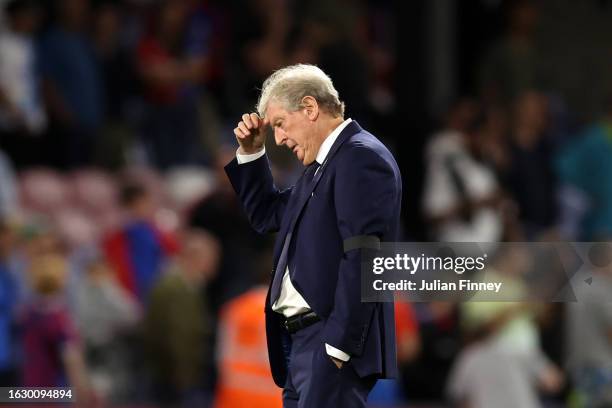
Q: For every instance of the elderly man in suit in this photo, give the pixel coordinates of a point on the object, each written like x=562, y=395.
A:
x=326, y=347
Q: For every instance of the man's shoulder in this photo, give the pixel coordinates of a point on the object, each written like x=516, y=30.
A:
x=364, y=146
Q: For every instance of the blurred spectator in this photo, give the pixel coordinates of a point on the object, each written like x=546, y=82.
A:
x=221, y=214
x=244, y=371
x=8, y=301
x=72, y=85
x=589, y=337
x=424, y=378
x=512, y=64
x=22, y=115
x=487, y=375
x=52, y=351
x=206, y=39
x=121, y=84
x=115, y=64
x=530, y=175
x=331, y=31
x=106, y=316
x=172, y=62
x=9, y=197
x=512, y=324
x=407, y=332
x=178, y=329
x=493, y=137
x=461, y=194
x=504, y=365
x=259, y=32
x=36, y=239
x=585, y=164
x=138, y=250
x=378, y=41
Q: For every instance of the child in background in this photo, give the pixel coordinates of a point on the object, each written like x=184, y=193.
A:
x=138, y=251
x=107, y=317
x=52, y=353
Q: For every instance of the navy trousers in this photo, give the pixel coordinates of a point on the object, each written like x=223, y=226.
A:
x=314, y=380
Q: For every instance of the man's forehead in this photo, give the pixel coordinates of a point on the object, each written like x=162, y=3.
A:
x=274, y=112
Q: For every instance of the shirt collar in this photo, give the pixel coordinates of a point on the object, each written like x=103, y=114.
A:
x=329, y=141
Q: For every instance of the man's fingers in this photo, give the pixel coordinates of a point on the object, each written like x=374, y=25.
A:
x=250, y=127
x=246, y=119
x=265, y=122
x=337, y=362
x=244, y=129
x=239, y=133
x=255, y=119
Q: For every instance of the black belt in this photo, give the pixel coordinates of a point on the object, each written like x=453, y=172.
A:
x=301, y=321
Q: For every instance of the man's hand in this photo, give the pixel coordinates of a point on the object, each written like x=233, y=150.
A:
x=337, y=362
x=251, y=133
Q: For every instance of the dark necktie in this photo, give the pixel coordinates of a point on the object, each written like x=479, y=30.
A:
x=300, y=189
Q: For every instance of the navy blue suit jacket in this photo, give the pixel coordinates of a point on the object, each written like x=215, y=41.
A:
x=357, y=193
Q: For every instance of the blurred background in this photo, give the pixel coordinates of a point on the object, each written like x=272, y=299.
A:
x=128, y=270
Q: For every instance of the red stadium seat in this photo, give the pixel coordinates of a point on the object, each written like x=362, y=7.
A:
x=76, y=227
x=44, y=191
x=95, y=190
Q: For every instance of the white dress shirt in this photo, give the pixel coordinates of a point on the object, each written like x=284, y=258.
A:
x=441, y=195
x=19, y=82
x=290, y=302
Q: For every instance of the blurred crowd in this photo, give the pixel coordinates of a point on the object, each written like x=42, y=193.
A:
x=512, y=163
x=129, y=272
x=111, y=82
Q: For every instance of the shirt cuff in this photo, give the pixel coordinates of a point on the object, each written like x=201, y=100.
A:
x=334, y=352
x=245, y=158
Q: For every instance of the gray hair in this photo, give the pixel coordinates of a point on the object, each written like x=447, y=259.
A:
x=291, y=84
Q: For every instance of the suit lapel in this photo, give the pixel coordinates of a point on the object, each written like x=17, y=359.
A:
x=286, y=222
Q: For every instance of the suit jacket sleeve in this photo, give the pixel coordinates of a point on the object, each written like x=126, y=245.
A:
x=366, y=197
x=263, y=203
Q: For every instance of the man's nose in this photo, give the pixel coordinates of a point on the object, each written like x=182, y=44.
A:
x=279, y=136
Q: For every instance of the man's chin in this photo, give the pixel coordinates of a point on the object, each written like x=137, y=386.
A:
x=305, y=161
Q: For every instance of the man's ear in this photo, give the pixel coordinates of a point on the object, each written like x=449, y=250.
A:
x=310, y=107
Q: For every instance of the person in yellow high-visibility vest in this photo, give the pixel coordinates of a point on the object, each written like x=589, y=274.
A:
x=245, y=379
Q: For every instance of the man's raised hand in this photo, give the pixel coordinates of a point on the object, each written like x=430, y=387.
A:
x=251, y=133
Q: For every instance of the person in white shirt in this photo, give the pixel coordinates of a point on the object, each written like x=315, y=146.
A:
x=22, y=114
